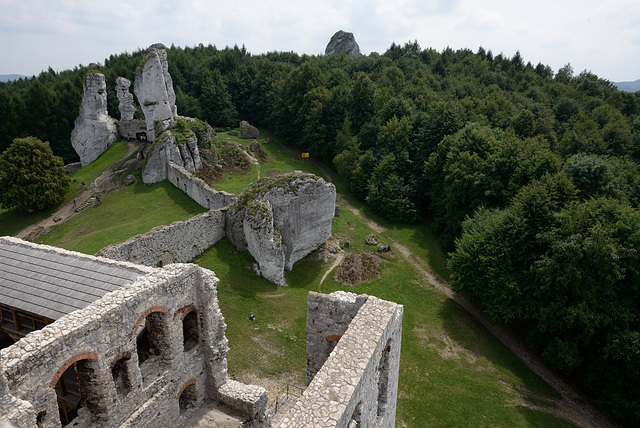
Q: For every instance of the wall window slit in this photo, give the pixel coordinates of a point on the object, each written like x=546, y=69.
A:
x=190, y=330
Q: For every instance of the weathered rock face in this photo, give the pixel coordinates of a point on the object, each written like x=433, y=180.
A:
x=167, y=149
x=125, y=99
x=130, y=128
x=94, y=131
x=281, y=219
x=154, y=89
x=342, y=42
x=248, y=131
x=264, y=241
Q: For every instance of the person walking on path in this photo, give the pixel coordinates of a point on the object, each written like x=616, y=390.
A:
x=74, y=203
x=93, y=183
x=98, y=199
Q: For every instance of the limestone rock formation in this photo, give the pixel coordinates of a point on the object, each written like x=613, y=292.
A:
x=248, y=131
x=281, y=219
x=264, y=241
x=125, y=99
x=154, y=89
x=175, y=139
x=342, y=42
x=175, y=143
x=94, y=131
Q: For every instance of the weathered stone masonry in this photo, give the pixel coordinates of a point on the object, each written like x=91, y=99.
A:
x=357, y=385
x=148, y=353
x=178, y=242
x=198, y=190
x=280, y=220
x=102, y=342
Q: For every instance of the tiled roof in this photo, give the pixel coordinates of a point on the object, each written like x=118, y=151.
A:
x=50, y=283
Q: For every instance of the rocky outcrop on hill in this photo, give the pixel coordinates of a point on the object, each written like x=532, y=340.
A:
x=154, y=89
x=94, y=131
x=125, y=99
x=342, y=42
x=281, y=219
x=248, y=131
x=174, y=138
x=176, y=143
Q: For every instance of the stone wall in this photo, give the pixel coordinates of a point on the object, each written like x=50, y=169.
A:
x=103, y=336
x=178, y=242
x=328, y=317
x=129, y=128
x=198, y=190
x=358, y=384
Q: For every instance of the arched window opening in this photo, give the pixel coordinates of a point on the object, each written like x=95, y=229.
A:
x=69, y=397
x=188, y=399
x=190, y=331
x=120, y=374
x=152, y=340
x=142, y=345
x=78, y=388
x=383, y=380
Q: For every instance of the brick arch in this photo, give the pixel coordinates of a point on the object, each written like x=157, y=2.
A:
x=146, y=313
x=191, y=381
x=187, y=397
x=183, y=312
x=69, y=362
x=121, y=355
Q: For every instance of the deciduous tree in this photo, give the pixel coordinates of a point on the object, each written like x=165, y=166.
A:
x=31, y=177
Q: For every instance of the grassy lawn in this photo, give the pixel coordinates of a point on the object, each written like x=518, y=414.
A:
x=452, y=373
x=127, y=212
x=279, y=161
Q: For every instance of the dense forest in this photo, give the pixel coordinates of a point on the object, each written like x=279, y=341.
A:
x=529, y=177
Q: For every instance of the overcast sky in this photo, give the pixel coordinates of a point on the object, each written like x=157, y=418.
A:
x=601, y=36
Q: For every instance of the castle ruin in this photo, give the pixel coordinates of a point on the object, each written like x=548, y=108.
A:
x=154, y=349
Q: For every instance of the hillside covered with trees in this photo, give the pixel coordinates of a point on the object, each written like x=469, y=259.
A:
x=529, y=177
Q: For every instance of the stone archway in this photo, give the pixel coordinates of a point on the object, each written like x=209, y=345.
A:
x=188, y=396
x=78, y=385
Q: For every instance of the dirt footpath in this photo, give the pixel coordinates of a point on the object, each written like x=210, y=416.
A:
x=103, y=185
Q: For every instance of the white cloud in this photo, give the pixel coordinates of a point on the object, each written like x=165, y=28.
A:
x=603, y=37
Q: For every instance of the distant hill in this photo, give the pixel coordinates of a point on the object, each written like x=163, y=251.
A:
x=628, y=86
x=7, y=77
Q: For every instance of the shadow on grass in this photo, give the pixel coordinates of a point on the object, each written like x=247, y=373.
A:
x=233, y=269
x=536, y=418
x=14, y=220
x=306, y=274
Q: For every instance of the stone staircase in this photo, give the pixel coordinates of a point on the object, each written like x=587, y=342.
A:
x=86, y=204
